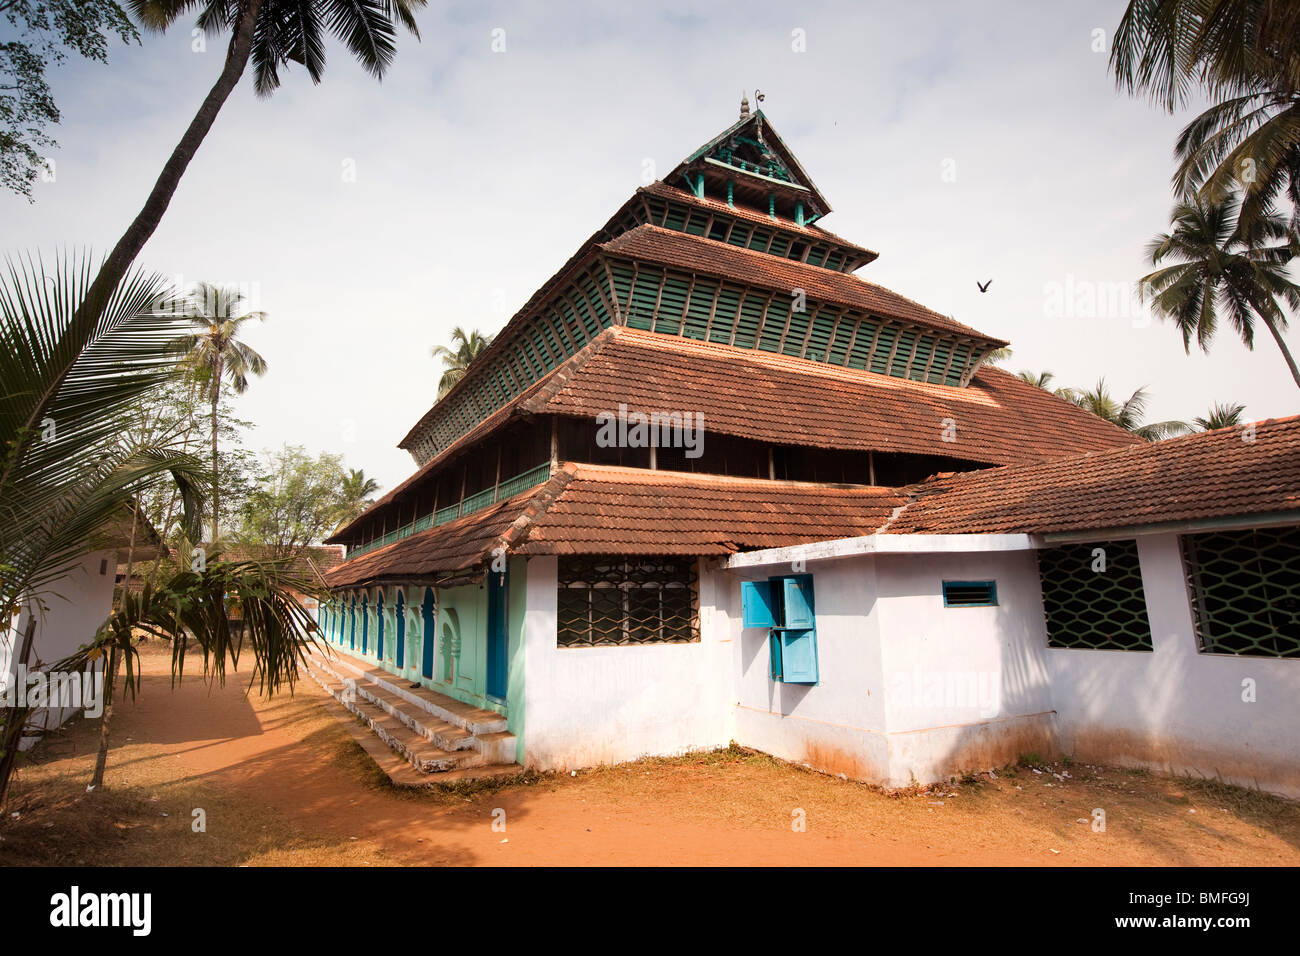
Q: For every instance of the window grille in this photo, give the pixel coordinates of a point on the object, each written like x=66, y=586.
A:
x=618, y=600
x=1245, y=590
x=1093, y=596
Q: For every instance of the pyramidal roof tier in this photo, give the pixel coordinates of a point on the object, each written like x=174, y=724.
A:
x=725, y=251
x=749, y=162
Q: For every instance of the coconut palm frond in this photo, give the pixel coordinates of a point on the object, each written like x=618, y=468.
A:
x=68, y=375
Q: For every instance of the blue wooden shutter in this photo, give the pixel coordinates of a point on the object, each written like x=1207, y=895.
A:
x=756, y=604
x=798, y=601
x=798, y=656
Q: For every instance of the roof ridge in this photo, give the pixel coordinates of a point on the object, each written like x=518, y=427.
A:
x=538, y=504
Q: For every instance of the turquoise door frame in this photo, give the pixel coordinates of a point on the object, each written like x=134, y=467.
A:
x=352, y=623
x=379, y=626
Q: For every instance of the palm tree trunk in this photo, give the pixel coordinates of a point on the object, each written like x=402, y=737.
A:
x=144, y=224
x=15, y=719
x=110, y=666
x=105, y=720
x=1281, y=344
x=216, y=490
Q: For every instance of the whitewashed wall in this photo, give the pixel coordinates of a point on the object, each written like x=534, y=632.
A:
x=910, y=691
x=965, y=687
x=587, y=706
x=1176, y=708
x=66, y=618
x=837, y=726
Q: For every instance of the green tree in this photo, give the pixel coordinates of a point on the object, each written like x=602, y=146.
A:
x=297, y=501
x=42, y=34
x=181, y=410
x=1223, y=266
x=273, y=34
x=1220, y=415
x=1245, y=56
x=456, y=360
x=1128, y=413
x=217, y=354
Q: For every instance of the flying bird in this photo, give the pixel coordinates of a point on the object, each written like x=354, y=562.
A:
x=984, y=286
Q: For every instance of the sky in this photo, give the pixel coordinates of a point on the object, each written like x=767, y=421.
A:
x=963, y=142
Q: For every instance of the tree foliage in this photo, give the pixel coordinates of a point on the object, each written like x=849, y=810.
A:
x=43, y=33
x=456, y=359
x=297, y=500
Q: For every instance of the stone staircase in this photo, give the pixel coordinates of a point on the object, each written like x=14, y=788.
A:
x=434, y=733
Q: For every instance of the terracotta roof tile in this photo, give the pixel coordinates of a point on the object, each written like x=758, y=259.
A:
x=1207, y=475
x=597, y=509
x=999, y=418
x=605, y=509
x=683, y=251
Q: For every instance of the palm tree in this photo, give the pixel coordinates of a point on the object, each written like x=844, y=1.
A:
x=1221, y=415
x=357, y=495
x=457, y=360
x=1244, y=55
x=272, y=33
x=68, y=378
x=1127, y=414
x=1223, y=265
x=216, y=353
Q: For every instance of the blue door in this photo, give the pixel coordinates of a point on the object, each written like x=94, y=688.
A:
x=496, y=635
x=399, y=652
x=426, y=641
x=365, y=622
x=379, y=626
x=352, y=623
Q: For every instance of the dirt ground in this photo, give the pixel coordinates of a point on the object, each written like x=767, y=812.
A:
x=280, y=782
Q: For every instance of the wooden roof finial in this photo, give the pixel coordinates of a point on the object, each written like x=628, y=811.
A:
x=744, y=105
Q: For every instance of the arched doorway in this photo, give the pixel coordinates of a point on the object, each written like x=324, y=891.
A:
x=427, y=632
x=365, y=622
x=399, y=633
x=352, y=622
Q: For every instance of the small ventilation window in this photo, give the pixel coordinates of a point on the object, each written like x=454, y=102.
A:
x=970, y=593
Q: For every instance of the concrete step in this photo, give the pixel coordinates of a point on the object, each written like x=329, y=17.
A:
x=428, y=743
x=473, y=720
x=421, y=753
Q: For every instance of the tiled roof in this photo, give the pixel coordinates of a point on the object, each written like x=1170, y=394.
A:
x=692, y=253
x=1203, y=476
x=609, y=510
x=814, y=233
x=789, y=401
x=999, y=418
x=599, y=509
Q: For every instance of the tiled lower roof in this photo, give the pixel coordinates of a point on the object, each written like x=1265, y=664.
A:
x=600, y=509
x=1208, y=475
x=998, y=418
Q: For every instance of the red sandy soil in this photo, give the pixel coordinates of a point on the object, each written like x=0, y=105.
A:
x=282, y=782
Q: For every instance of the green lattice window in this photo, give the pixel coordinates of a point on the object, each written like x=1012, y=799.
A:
x=1093, y=596
x=617, y=600
x=1245, y=588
